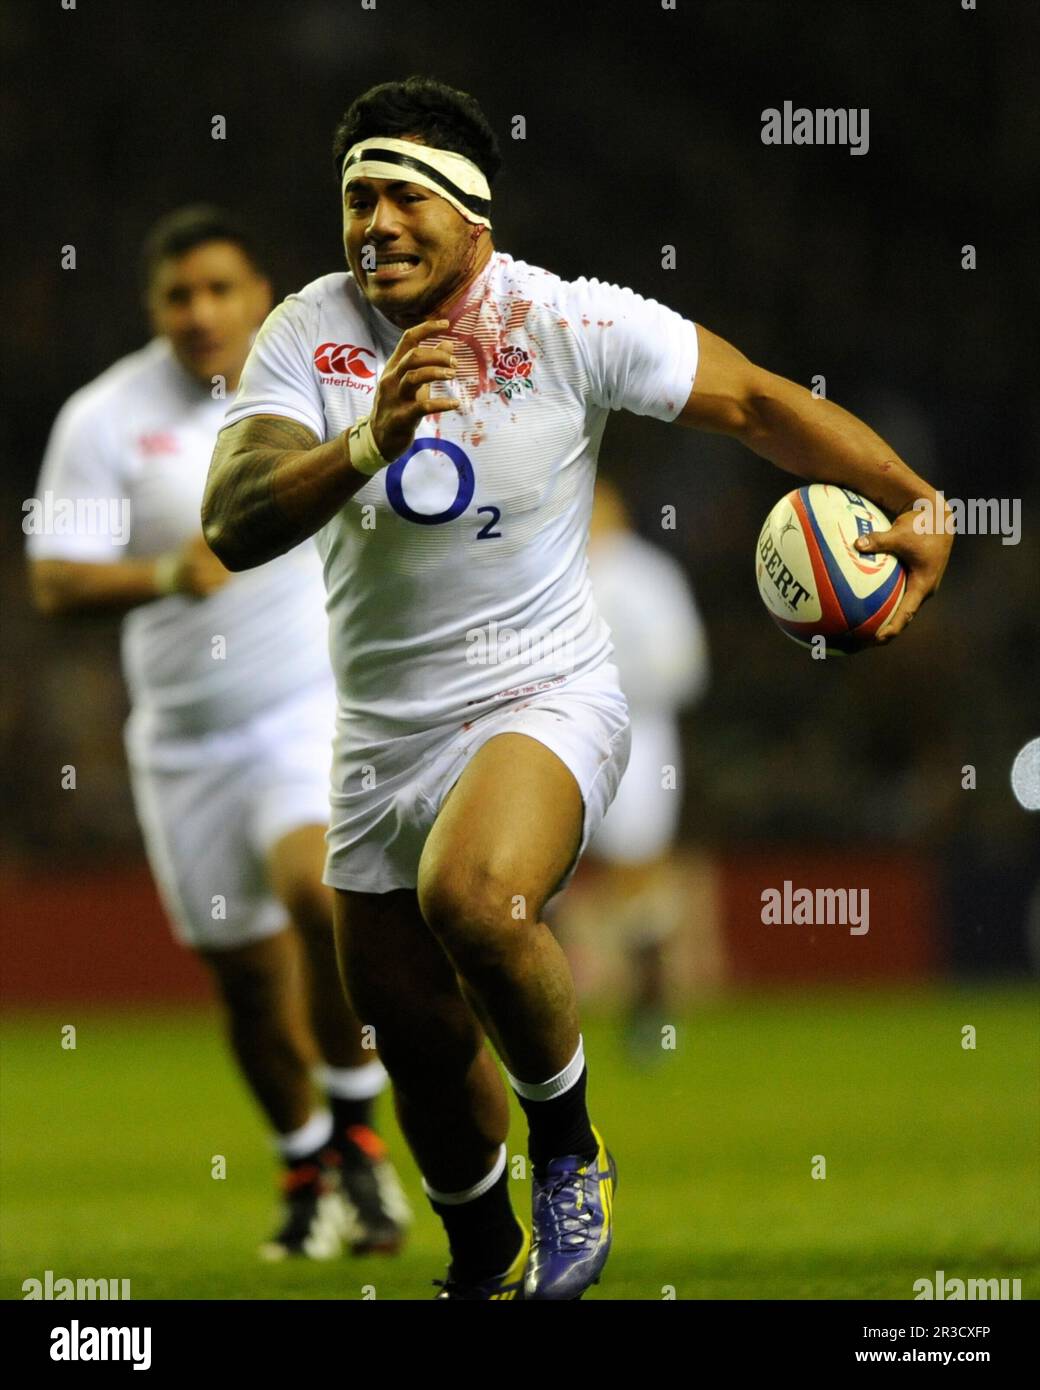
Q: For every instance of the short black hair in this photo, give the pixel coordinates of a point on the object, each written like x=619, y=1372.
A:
x=442, y=115
x=182, y=230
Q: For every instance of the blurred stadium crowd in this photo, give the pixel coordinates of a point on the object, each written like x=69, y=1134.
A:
x=809, y=260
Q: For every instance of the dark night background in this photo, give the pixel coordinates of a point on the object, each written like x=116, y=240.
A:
x=642, y=129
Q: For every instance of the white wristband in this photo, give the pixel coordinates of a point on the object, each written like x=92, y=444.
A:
x=364, y=455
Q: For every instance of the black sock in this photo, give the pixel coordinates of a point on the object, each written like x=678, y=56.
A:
x=350, y=1112
x=560, y=1126
x=484, y=1236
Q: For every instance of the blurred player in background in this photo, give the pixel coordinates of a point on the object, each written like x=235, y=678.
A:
x=229, y=736
x=662, y=656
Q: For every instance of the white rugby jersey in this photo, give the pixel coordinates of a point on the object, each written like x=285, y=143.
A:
x=144, y=430
x=457, y=577
x=660, y=646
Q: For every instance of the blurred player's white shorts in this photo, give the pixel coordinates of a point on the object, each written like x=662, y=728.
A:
x=642, y=820
x=377, y=832
x=211, y=808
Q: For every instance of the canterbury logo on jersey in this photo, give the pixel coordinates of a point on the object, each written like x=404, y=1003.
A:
x=345, y=361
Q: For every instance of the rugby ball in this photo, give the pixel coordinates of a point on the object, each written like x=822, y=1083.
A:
x=812, y=580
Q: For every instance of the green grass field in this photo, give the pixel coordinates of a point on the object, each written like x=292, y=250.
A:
x=931, y=1155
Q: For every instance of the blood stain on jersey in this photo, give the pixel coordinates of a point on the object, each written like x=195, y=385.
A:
x=480, y=333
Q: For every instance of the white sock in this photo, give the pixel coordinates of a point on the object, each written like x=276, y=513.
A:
x=556, y=1085
x=470, y=1194
x=315, y=1134
x=353, y=1083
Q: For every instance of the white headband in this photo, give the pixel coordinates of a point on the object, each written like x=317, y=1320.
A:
x=451, y=175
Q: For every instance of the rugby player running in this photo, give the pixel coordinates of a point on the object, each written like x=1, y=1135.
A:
x=433, y=417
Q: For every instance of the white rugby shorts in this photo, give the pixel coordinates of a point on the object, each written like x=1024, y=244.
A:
x=211, y=808
x=387, y=794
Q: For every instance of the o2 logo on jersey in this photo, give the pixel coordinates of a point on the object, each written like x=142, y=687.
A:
x=463, y=494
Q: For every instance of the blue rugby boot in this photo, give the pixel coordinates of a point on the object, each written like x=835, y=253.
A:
x=509, y=1284
x=573, y=1219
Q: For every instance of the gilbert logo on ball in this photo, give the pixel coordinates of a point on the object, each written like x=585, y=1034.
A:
x=813, y=581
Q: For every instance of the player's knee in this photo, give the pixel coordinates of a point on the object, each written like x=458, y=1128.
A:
x=470, y=909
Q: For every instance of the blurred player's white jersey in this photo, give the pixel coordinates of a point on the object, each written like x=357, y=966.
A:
x=661, y=654
x=144, y=431
x=457, y=577
x=660, y=647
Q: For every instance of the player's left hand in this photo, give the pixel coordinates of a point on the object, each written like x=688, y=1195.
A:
x=925, y=554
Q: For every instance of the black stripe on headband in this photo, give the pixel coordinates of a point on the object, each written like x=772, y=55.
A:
x=480, y=206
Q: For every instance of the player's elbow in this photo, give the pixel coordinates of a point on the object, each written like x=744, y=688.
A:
x=221, y=540
x=218, y=527
x=768, y=405
x=222, y=526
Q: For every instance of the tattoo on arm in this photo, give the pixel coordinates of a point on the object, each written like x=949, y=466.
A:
x=243, y=520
